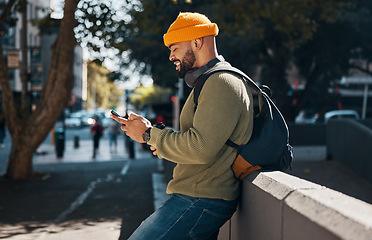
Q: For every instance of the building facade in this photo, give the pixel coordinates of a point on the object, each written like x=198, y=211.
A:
x=39, y=51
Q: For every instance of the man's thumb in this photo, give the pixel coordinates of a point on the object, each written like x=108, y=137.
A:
x=133, y=116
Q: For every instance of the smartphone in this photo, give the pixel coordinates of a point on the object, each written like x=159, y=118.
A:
x=115, y=113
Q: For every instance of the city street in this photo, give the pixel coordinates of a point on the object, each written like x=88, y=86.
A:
x=81, y=198
x=108, y=197
x=70, y=65
x=46, y=152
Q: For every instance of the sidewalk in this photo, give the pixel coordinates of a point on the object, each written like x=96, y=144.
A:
x=81, y=198
x=84, y=152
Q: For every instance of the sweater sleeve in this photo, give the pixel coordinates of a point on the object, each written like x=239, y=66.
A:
x=204, y=132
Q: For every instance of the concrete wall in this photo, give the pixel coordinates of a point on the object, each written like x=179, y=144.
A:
x=350, y=143
x=313, y=134
x=275, y=205
x=366, y=122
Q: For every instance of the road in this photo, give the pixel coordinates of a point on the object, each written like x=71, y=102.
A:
x=80, y=197
x=84, y=138
x=83, y=197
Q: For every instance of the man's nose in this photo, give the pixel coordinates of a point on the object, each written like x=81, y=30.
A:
x=171, y=57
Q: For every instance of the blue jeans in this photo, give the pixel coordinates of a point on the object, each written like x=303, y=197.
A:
x=185, y=217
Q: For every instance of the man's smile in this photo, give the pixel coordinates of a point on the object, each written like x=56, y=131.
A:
x=177, y=64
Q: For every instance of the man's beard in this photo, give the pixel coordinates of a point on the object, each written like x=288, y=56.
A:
x=186, y=63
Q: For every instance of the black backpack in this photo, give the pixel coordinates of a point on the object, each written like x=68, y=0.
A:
x=268, y=149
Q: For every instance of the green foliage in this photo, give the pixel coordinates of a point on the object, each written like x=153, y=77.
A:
x=138, y=32
x=143, y=95
x=47, y=25
x=261, y=37
x=334, y=51
x=294, y=20
x=102, y=92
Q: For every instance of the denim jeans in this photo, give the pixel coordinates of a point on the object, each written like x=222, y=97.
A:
x=185, y=217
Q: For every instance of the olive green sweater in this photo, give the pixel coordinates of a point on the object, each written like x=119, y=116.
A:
x=225, y=111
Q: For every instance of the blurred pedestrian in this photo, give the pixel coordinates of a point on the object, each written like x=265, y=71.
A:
x=114, y=131
x=204, y=191
x=97, y=131
x=161, y=119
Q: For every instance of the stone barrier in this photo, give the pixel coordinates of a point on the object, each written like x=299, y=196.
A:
x=350, y=142
x=276, y=205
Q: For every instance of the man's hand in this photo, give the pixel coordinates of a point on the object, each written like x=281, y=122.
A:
x=153, y=149
x=134, y=126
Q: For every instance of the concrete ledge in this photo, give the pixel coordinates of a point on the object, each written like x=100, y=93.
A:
x=325, y=214
x=276, y=205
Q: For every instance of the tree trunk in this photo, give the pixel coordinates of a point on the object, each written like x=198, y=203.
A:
x=28, y=132
x=20, y=159
x=274, y=74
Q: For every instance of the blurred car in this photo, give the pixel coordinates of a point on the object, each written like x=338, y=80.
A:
x=306, y=117
x=341, y=114
x=106, y=122
x=88, y=118
x=73, y=122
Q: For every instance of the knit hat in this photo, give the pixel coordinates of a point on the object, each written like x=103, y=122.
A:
x=189, y=26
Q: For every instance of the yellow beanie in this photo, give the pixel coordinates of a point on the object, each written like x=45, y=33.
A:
x=189, y=26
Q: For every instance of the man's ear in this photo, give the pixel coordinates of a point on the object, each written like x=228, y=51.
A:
x=197, y=43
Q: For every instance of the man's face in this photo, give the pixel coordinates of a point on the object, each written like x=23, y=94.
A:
x=183, y=57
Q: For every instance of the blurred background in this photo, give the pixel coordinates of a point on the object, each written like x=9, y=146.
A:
x=64, y=65
x=315, y=56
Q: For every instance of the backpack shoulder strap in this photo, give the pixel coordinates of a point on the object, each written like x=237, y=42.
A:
x=227, y=68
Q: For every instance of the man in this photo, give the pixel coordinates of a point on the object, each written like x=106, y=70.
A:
x=203, y=190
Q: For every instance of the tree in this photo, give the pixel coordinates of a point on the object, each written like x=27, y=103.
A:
x=102, y=92
x=253, y=34
x=333, y=52
x=273, y=30
x=29, y=129
x=148, y=95
x=138, y=36
x=257, y=36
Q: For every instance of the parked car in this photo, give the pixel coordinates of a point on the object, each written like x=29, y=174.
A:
x=73, y=122
x=337, y=114
x=306, y=117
